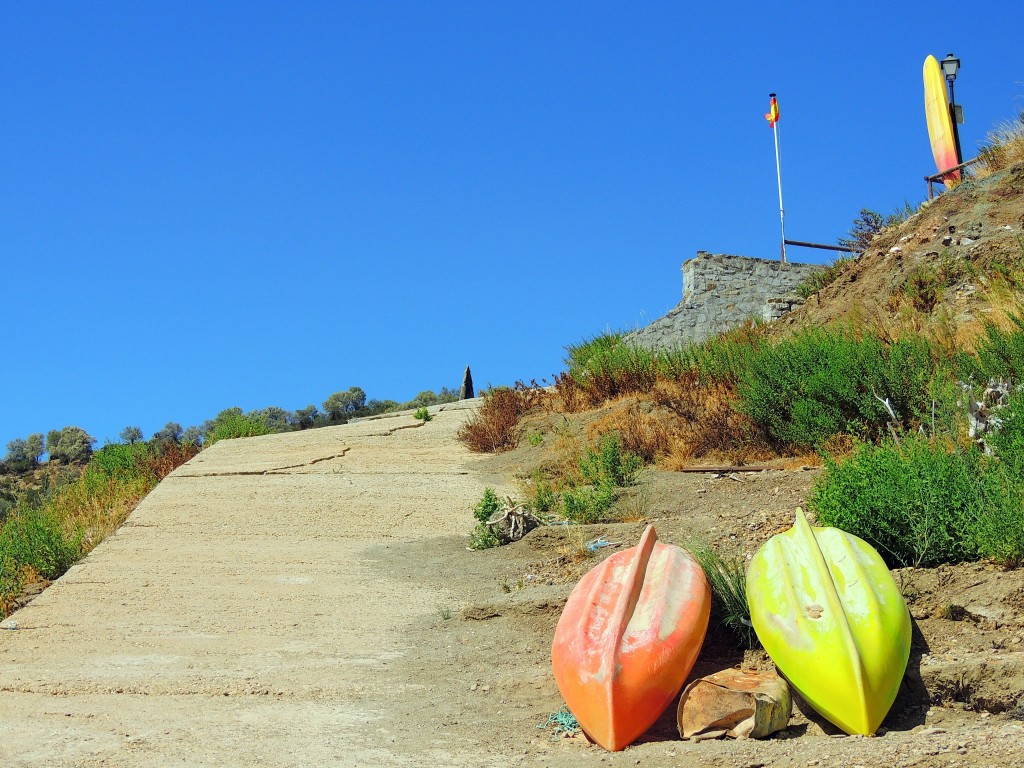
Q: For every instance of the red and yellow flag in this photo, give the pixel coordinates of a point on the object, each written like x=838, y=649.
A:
x=773, y=112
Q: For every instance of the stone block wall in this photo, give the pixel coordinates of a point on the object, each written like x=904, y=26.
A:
x=720, y=291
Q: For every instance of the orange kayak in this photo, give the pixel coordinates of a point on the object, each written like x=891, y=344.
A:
x=628, y=637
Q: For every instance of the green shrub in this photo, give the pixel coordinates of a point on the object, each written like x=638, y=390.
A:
x=920, y=503
x=1000, y=532
x=231, y=424
x=1008, y=440
x=36, y=538
x=487, y=506
x=585, y=504
x=422, y=414
x=544, y=498
x=1001, y=352
x=609, y=465
x=483, y=537
x=821, y=383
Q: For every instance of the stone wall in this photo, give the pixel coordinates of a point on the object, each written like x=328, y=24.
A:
x=720, y=291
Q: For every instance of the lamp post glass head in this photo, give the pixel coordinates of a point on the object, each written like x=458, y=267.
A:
x=950, y=65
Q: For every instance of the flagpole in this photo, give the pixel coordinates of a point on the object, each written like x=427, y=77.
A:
x=778, y=173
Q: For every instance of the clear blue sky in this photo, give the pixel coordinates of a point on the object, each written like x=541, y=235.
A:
x=210, y=204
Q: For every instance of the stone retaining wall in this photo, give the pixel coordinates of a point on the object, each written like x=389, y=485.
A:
x=720, y=291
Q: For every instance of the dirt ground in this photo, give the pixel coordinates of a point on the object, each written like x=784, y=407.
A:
x=308, y=598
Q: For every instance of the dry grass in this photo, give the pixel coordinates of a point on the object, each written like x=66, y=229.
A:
x=682, y=422
x=1005, y=148
x=708, y=425
x=495, y=427
x=574, y=550
x=635, y=507
x=648, y=434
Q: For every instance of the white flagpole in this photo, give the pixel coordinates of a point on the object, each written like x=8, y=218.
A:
x=778, y=173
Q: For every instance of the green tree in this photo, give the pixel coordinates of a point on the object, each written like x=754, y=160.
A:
x=35, y=448
x=23, y=455
x=276, y=419
x=424, y=398
x=17, y=455
x=171, y=433
x=194, y=435
x=305, y=417
x=382, y=406
x=70, y=444
x=868, y=224
x=340, y=405
x=131, y=435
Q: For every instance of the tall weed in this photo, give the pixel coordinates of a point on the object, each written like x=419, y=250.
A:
x=1005, y=148
x=45, y=534
x=37, y=539
x=727, y=577
x=816, y=281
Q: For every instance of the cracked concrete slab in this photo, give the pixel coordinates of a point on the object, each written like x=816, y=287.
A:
x=239, y=618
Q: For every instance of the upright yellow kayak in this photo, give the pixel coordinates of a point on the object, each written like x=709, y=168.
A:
x=827, y=611
x=940, y=123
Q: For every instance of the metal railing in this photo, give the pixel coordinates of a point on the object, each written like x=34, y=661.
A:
x=937, y=177
x=802, y=244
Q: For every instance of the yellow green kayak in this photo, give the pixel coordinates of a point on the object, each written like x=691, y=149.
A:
x=830, y=616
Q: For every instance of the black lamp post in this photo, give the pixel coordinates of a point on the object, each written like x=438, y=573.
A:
x=950, y=65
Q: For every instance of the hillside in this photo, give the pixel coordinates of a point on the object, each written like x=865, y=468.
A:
x=955, y=263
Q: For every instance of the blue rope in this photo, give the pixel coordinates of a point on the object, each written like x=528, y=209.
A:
x=565, y=723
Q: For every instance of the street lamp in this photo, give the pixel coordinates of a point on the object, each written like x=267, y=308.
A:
x=950, y=66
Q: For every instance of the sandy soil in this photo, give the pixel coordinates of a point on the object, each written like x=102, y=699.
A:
x=307, y=598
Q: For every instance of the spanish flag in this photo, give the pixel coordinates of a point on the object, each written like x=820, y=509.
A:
x=773, y=111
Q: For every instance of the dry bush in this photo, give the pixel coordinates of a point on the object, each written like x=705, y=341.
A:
x=707, y=425
x=571, y=396
x=648, y=435
x=171, y=456
x=1005, y=148
x=684, y=420
x=495, y=427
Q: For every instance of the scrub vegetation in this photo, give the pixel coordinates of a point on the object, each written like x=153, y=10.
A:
x=73, y=508
x=887, y=416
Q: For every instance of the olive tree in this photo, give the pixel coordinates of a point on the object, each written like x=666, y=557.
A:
x=70, y=444
x=171, y=433
x=341, y=404
x=305, y=417
x=131, y=435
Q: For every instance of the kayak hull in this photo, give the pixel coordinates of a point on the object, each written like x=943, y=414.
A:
x=628, y=637
x=830, y=616
x=940, y=123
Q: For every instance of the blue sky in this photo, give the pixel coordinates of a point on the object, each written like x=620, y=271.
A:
x=216, y=204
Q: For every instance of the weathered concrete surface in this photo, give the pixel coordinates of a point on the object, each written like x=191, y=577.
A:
x=239, y=618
